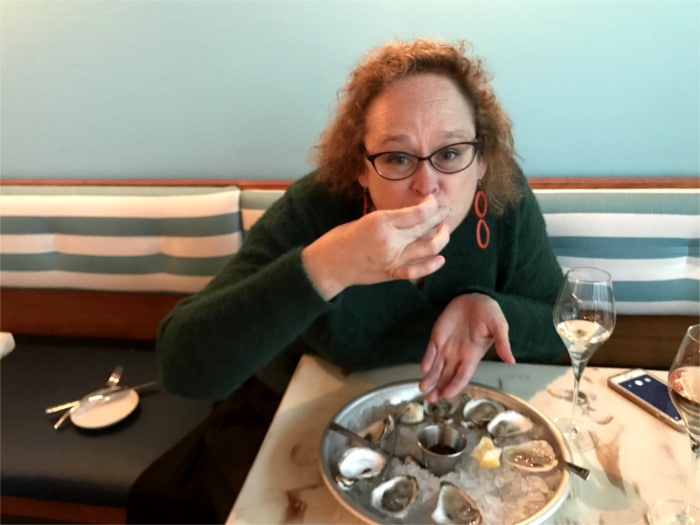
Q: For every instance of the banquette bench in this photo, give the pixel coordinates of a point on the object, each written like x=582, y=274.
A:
x=88, y=269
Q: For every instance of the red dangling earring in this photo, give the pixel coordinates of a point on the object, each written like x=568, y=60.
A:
x=481, y=206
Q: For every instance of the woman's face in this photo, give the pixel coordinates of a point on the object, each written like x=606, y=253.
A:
x=421, y=114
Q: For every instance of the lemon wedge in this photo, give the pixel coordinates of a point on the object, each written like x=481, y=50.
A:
x=487, y=454
x=491, y=458
x=482, y=447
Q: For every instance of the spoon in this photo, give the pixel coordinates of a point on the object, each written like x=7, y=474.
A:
x=354, y=436
x=581, y=472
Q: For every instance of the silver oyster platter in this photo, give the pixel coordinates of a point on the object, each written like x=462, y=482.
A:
x=503, y=494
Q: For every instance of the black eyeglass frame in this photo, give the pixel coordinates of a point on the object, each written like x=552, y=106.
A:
x=475, y=143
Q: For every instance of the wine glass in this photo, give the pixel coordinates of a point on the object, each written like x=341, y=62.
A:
x=684, y=387
x=584, y=317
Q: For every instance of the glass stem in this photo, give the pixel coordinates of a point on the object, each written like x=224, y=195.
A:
x=574, y=402
x=578, y=367
x=694, y=461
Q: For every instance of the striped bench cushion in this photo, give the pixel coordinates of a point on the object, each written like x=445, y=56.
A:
x=165, y=239
x=649, y=241
x=253, y=205
x=176, y=238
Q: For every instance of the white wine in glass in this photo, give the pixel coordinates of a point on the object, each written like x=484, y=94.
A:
x=584, y=317
x=684, y=387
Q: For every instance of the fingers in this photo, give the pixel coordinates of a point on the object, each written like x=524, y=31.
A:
x=418, y=269
x=428, y=245
x=420, y=219
x=421, y=258
x=451, y=386
x=445, y=378
x=502, y=342
x=431, y=368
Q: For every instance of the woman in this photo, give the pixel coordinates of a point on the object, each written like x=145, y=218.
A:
x=417, y=239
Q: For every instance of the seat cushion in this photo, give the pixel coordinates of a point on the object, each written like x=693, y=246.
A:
x=94, y=467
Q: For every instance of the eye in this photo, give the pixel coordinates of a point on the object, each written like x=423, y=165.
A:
x=448, y=154
x=397, y=158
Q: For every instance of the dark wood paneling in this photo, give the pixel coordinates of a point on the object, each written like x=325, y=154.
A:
x=84, y=313
x=58, y=511
x=646, y=341
x=638, y=340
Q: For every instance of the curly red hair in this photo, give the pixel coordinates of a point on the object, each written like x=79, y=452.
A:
x=340, y=150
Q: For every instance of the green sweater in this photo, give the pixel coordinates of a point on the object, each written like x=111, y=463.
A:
x=261, y=312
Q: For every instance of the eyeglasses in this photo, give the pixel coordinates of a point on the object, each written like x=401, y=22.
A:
x=399, y=165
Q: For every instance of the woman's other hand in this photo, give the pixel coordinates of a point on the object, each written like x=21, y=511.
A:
x=381, y=246
x=460, y=338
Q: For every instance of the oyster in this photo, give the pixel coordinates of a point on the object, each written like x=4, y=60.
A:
x=478, y=411
x=378, y=431
x=509, y=423
x=530, y=456
x=411, y=413
x=455, y=506
x=442, y=410
x=359, y=463
x=396, y=496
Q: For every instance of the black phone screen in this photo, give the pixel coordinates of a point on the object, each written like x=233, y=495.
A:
x=653, y=392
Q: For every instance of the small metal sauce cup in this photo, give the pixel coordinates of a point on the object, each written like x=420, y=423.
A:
x=441, y=446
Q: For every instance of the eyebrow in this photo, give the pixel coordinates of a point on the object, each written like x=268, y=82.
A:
x=402, y=138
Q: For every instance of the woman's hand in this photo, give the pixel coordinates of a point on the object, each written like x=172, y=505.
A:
x=460, y=338
x=381, y=246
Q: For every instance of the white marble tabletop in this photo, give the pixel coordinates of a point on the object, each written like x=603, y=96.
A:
x=638, y=459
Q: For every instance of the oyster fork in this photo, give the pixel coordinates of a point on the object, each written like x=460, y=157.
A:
x=112, y=382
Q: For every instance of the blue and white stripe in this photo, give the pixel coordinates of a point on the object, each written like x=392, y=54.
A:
x=116, y=238
x=648, y=240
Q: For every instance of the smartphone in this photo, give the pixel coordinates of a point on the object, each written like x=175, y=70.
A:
x=650, y=393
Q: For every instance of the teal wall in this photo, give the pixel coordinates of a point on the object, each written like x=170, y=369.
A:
x=243, y=88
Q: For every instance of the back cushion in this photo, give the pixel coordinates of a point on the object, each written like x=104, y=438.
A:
x=166, y=239
x=649, y=241
x=253, y=205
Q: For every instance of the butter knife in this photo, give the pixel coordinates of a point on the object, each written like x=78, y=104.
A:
x=96, y=395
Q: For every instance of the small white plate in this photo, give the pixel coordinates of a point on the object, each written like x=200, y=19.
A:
x=105, y=411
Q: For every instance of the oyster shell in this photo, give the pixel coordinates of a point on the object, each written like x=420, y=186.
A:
x=530, y=456
x=455, y=506
x=359, y=463
x=478, y=411
x=509, y=423
x=378, y=431
x=396, y=496
x=442, y=410
x=411, y=413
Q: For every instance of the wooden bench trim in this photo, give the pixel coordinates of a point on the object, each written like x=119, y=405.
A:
x=60, y=511
x=614, y=183
x=277, y=184
x=257, y=184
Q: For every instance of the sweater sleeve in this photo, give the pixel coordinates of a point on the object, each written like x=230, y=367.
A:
x=262, y=300
x=529, y=276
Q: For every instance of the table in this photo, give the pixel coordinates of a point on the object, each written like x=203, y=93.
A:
x=638, y=460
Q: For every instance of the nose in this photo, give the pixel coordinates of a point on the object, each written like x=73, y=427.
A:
x=425, y=179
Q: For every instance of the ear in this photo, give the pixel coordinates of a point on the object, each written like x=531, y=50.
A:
x=480, y=167
x=363, y=179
